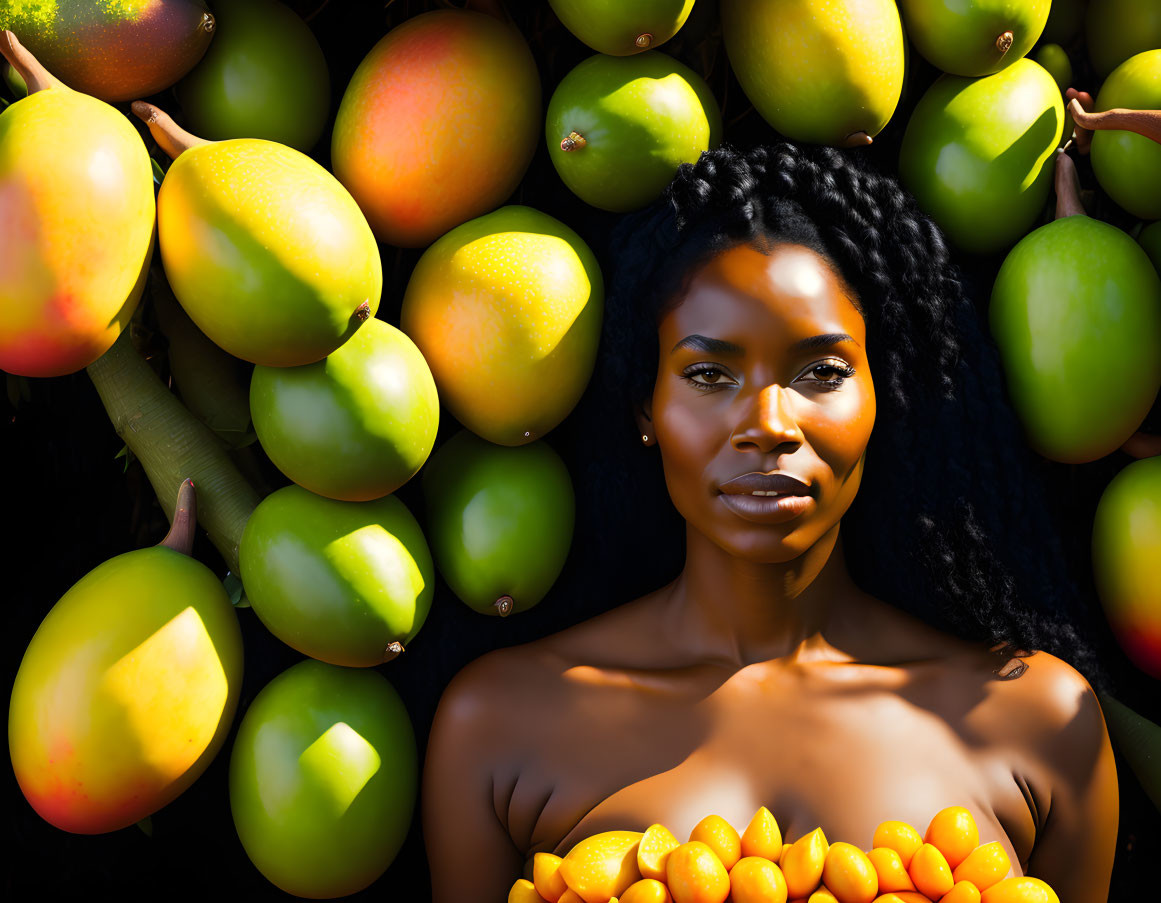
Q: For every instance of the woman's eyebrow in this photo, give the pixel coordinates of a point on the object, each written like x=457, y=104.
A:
x=709, y=345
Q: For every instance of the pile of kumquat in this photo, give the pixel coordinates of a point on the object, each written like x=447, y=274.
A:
x=948, y=864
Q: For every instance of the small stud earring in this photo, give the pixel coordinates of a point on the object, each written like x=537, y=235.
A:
x=644, y=438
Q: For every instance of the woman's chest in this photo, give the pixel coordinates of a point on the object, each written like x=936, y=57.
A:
x=844, y=760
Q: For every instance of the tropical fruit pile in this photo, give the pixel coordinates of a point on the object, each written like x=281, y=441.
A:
x=946, y=864
x=335, y=272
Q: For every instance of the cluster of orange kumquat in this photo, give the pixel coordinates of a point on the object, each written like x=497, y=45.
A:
x=947, y=865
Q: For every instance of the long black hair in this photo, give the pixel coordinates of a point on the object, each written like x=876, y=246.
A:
x=951, y=522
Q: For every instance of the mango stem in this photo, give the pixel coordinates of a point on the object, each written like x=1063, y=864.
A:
x=1067, y=185
x=170, y=136
x=34, y=74
x=173, y=445
x=1004, y=42
x=184, y=523
x=504, y=606
x=857, y=139
x=573, y=141
x=1143, y=122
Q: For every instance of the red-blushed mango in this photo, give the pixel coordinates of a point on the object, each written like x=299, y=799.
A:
x=126, y=692
x=1126, y=546
x=76, y=224
x=438, y=124
x=117, y=49
x=507, y=312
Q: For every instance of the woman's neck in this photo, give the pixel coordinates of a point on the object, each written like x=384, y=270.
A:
x=725, y=609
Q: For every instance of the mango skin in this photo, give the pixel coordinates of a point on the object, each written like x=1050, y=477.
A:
x=977, y=153
x=507, y=311
x=337, y=581
x=354, y=426
x=438, y=124
x=266, y=251
x=126, y=692
x=613, y=26
x=1128, y=165
x=116, y=49
x=1150, y=240
x=76, y=230
x=1126, y=546
x=324, y=777
x=817, y=70
x=1074, y=303
x=641, y=118
x=960, y=38
x=1115, y=30
x=500, y=519
x=264, y=76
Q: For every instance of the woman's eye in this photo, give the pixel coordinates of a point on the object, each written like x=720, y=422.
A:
x=844, y=372
x=710, y=377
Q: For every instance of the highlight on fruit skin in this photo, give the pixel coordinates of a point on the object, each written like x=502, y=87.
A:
x=114, y=51
x=507, y=311
x=818, y=72
x=976, y=38
x=618, y=128
x=77, y=219
x=619, y=28
x=128, y=687
x=293, y=268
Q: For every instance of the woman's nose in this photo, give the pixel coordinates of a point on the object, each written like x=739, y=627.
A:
x=770, y=423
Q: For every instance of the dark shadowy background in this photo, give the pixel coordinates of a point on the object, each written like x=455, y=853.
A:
x=68, y=504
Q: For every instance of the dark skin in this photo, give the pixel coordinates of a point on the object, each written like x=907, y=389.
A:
x=762, y=675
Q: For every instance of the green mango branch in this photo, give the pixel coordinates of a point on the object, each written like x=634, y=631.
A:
x=173, y=445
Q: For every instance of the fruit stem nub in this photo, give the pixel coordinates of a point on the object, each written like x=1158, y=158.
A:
x=504, y=606
x=180, y=537
x=35, y=76
x=170, y=136
x=362, y=312
x=208, y=22
x=393, y=650
x=643, y=40
x=1067, y=185
x=574, y=141
x=1004, y=42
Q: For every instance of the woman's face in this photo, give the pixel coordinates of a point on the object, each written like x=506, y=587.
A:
x=746, y=384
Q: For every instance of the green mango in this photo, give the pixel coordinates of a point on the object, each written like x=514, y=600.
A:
x=264, y=76
x=354, y=426
x=1126, y=548
x=501, y=520
x=619, y=28
x=1055, y=61
x=818, y=71
x=1073, y=303
x=977, y=153
x=977, y=37
x=1138, y=740
x=324, y=776
x=348, y=583
x=618, y=127
x=1115, y=30
x=113, y=49
x=1128, y=165
x=1150, y=240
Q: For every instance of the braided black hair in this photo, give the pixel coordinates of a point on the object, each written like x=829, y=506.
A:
x=960, y=535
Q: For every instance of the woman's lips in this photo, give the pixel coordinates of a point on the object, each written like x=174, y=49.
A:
x=766, y=509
